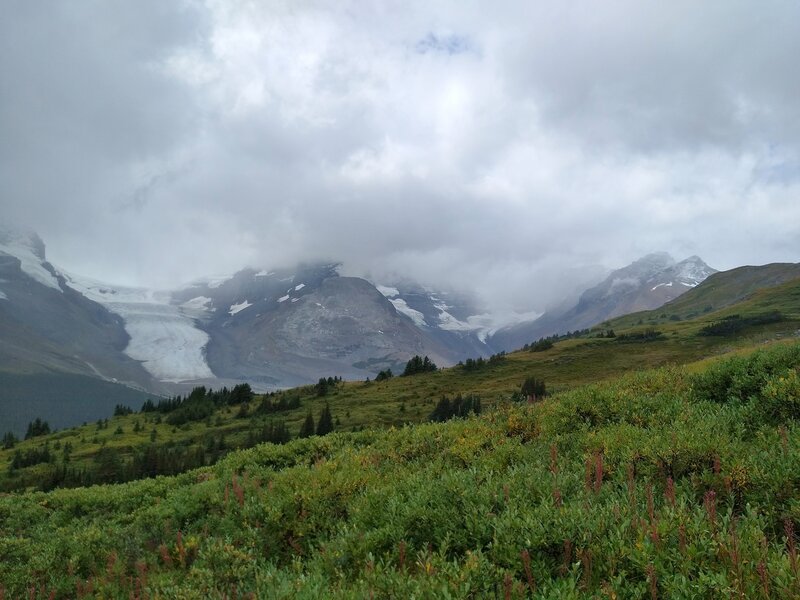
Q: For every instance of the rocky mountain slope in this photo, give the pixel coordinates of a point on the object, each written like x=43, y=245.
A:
x=61, y=354
x=45, y=325
x=290, y=327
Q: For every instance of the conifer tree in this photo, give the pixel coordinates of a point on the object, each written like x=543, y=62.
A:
x=325, y=423
x=9, y=441
x=307, y=428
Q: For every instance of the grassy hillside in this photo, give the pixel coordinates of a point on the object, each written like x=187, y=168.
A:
x=400, y=400
x=668, y=483
x=725, y=289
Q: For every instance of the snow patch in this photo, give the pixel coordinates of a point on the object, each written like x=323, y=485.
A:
x=197, y=307
x=299, y=287
x=283, y=298
x=662, y=285
x=264, y=273
x=29, y=249
x=3, y=296
x=295, y=299
x=414, y=315
x=235, y=308
x=389, y=292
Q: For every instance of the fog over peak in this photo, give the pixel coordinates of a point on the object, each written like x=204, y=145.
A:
x=514, y=151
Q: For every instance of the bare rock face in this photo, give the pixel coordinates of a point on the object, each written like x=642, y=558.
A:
x=329, y=326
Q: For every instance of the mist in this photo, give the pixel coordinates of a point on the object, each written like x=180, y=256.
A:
x=512, y=155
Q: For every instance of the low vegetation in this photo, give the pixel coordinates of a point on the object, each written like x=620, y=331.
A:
x=612, y=480
x=667, y=483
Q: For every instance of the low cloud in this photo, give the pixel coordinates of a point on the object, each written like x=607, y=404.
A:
x=501, y=152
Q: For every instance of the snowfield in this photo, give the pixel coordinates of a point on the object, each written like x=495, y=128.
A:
x=414, y=315
x=389, y=292
x=164, y=337
x=235, y=308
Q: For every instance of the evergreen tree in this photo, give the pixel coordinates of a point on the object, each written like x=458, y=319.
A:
x=9, y=441
x=418, y=364
x=533, y=389
x=307, y=428
x=240, y=393
x=37, y=428
x=325, y=423
x=383, y=375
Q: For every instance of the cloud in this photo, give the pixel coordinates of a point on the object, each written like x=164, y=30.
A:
x=499, y=151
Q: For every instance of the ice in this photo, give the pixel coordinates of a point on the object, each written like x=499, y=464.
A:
x=299, y=287
x=389, y=292
x=414, y=315
x=235, y=308
x=482, y=325
x=283, y=298
x=29, y=249
x=163, y=337
x=264, y=273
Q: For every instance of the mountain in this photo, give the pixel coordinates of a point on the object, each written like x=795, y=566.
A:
x=645, y=284
x=724, y=289
x=292, y=326
x=49, y=332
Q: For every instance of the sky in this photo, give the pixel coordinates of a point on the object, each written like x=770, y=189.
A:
x=512, y=149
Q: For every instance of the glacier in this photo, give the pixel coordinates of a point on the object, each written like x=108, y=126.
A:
x=164, y=338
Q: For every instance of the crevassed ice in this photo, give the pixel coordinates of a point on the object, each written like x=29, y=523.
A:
x=163, y=338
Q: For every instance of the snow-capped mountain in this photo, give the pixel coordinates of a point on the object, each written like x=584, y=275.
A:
x=291, y=326
x=645, y=284
x=61, y=354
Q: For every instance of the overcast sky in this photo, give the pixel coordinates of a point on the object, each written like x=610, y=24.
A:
x=503, y=147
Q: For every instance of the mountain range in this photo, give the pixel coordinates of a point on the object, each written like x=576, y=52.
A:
x=270, y=328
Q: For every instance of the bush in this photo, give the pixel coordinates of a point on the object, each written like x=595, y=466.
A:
x=740, y=378
x=647, y=335
x=459, y=406
x=541, y=345
x=733, y=324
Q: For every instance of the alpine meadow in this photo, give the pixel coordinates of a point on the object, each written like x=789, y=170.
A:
x=399, y=300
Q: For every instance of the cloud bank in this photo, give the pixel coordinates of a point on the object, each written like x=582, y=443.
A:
x=507, y=150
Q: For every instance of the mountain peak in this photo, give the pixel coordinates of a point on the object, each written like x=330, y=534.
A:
x=14, y=240
x=26, y=246
x=660, y=260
